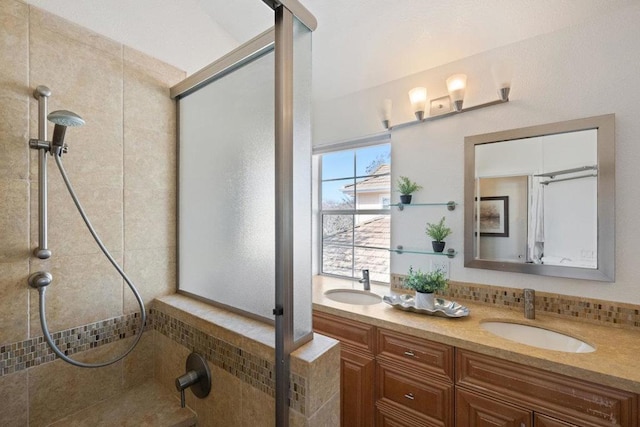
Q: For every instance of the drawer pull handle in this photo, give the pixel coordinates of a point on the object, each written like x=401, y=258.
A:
x=409, y=396
x=409, y=353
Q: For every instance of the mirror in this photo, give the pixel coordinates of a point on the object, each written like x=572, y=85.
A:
x=540, y=199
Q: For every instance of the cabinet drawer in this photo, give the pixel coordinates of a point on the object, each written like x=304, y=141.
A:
x=411, y=390
x=435, y=357
x=477, y=410
x=350, y=332
x=388, y=414
x=544, y=421
x=576, y=401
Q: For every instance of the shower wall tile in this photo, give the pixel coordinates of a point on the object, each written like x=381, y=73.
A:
x=85, y=289
x=84, y=73
x=138, y=365
x=15, y=400
x=58, y=389
x=68, y=234
x=328, y=414
x=149, y=218
x=41, y=19
x=14, y=220
x=169, y=360
x=14, y=90
x=153, y=271
x=223, y=406
x=258, y=408
x=147, y=104
x=323, y=379
x=14, y=302
x=149, y=159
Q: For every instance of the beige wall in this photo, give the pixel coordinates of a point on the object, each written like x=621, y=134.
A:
x=122, y=165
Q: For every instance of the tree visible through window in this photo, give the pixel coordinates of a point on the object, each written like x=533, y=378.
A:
x=355, y=188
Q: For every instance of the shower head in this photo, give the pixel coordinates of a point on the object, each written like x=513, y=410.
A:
x=62, y=119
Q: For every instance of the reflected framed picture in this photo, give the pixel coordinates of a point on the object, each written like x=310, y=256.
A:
x=494, y=216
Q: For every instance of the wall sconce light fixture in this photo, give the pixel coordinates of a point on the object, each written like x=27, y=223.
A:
x=418, y=97
x=456, y=85
x=502, y=78
x=386, y=113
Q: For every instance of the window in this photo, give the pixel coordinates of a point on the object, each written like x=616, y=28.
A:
x=355, y=192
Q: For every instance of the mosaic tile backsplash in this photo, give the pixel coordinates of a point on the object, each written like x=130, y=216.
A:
x=584, y=309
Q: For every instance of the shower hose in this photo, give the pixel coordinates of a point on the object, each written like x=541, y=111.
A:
x=42, y=290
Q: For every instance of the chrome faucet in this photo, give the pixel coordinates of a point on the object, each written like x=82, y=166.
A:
x=529, y=304
x=365, y=279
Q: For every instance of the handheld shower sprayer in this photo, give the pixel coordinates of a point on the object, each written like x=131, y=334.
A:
x=42, y=279
x=62, y=119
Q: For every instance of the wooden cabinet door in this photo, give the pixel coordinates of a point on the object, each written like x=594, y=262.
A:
x=475, y=410
x=357, y=391
x=540, y=420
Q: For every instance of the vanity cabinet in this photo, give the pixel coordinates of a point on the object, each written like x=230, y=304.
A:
x=388, y=378
x=357, y=367
x=487, y=386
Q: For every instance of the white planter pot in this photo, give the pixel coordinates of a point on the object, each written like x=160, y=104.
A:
x=424, y=301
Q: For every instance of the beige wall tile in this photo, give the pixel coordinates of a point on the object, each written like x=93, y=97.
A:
x=164, y=74
x=84, y=73
x=137, y=367
x=153, y=272
x=58, y=389
x=323, y=378
x=42, y=19
x=68, y=234
x=149, y=159
x=14, y=93
x=147, y=103
x=14, y=220
x=14, y=302
x=258, y=408
x=85, y=289
x=15, y=400
x=169, y=361
x=328, y=414
x=149, y=219
x=223, y=406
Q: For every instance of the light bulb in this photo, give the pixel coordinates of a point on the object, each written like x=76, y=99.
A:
x=418, y=97
x=456, y=86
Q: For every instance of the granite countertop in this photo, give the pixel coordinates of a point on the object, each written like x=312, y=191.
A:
x=616, y=361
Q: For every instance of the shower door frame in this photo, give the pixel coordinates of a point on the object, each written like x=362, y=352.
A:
x=279, y=39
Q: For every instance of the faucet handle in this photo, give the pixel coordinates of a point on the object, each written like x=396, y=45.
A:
x=529, y=303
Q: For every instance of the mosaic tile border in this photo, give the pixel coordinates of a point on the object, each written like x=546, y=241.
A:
x=251, y=369
x=18, y=356
x=257, y=372
x=608, y=313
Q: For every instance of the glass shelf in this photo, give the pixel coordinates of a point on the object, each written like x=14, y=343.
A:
x=450, y=205
x=449, y=253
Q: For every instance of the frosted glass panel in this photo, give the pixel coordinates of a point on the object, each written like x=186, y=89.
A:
x=302, y=180
x=226, y=190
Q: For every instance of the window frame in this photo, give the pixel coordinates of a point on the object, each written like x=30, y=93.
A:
x=354, y=212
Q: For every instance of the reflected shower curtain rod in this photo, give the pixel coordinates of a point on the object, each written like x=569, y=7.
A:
x=566, y=171
x=567, y=179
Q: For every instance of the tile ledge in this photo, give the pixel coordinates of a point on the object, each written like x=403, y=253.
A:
x=192, y=311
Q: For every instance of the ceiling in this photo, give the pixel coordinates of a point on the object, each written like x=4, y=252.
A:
x=358, y=43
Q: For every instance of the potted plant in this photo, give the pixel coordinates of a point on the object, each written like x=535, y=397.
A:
x=438, y=232
x=425, y=284
x=406, y=187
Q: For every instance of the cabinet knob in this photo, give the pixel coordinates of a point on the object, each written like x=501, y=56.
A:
x=409, y=353
x=411, y=397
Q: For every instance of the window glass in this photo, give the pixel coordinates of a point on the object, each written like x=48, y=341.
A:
x=356, y=190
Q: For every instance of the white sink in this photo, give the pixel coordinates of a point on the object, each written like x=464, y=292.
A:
x=353, y=296
x=537, y=337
